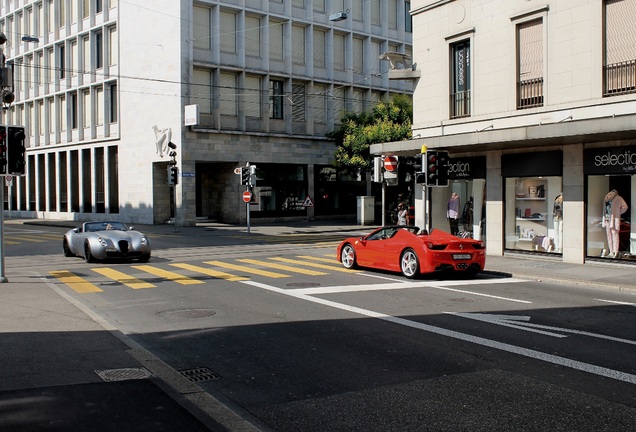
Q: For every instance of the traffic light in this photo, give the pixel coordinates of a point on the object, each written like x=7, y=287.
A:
x=252, y=175
x=3, y=150
x=245, y=175
x=442, y=168
x=420, y=168
x=15, y=150
x=431, y=169
x=173, y=175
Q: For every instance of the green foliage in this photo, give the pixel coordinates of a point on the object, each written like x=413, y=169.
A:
x=356, y=132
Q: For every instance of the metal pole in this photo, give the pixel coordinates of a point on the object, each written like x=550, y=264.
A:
x=247, y=210
x=3, y=279
x=383, y=203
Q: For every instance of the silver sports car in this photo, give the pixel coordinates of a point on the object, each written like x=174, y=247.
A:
x=101, y=240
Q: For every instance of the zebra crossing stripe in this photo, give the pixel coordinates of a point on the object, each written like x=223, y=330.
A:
x=316, y=265
x=75, y=282
x=210, y=272
x=247, y=269
x=123, y=278
x=176, y=277
x=283, y=267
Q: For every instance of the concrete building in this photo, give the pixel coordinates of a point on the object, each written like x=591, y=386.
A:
x=536, y=103
x=106, y=85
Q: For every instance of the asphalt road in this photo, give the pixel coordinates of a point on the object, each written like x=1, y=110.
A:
x=281, y=334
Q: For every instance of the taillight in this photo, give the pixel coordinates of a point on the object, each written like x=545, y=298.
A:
x=480, y=245
x=432, y=246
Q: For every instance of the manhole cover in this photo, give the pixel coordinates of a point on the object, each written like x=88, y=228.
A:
x=199, y=374
x=188, y=313
x=124, y=374
x=303, y=285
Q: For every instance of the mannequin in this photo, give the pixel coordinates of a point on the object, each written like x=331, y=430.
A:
x=557, y=214
x=452, y=213
x=614, y=207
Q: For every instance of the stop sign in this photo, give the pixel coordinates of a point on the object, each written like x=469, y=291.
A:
x=390, y=163
x=247, y=196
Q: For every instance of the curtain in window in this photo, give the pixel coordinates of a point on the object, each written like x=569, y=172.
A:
x=531, y=50
x=620, y=31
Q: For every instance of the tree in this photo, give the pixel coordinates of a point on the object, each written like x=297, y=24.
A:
x=386, y=123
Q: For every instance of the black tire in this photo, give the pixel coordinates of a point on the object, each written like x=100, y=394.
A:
x=67, y=250
x=348, y=257
x=409, y=264
x=88, y=257
x=144, y=258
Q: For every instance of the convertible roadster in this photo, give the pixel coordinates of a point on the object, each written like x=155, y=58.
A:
x=409, y=250
x=102, y=240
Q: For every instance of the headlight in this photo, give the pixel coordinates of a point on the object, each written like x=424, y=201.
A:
x=144, y=241
x=102, y=241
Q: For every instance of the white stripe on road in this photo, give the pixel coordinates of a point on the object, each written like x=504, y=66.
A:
x=616, y=302
x=538, y=355
x=409, y=285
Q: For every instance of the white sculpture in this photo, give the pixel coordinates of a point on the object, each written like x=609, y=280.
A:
x=162, y=138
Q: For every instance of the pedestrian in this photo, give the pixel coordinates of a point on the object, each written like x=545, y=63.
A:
x=402, y=214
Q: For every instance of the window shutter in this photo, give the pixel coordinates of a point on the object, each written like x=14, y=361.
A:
x=298, y=44
x=228, y=94
x=201, y=27
x=201, y=90
x=338, y=51
x=252, y=36
x=319, y=48
x=531, y=50
x=228, y=32
x=252, y=96
x=358, y=55
x=276, y=40
x=298, y=99
x=620, y=31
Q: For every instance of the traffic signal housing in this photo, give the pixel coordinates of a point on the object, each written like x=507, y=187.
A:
x=173, y=175
x=420, y=168
x=3, y=150
x=431, y=167
x=252, y=180
x=245, y=175
x=442, y=168
x=16, y=150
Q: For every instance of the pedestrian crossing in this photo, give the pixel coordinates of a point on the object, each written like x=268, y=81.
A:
x=138, y=277
x=35, y=237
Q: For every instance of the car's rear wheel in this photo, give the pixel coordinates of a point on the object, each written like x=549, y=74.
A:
x=67, y=249
x=348, y=256
x=88, y=256
x=409, y=263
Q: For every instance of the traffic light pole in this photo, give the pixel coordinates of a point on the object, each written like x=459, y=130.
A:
x=3, y=278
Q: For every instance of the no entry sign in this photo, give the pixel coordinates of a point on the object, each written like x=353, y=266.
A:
x=391, y=163
x=247, y=196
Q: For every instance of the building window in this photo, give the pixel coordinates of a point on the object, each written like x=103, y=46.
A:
x=98, y=6
x=112, y=46
x=85, y=8
x=358, y=55
x=319, y=48
x=228, y=94
x=319, y=5
x=276, y=40
x=50, y=65
x=319, y=98
x=99, y=50
x=339, y=51
x=74, y=111
x=620, y=48
x=357, y=13
x=86, y=108
x=74, y=58
x=530, y=64
x=357, y=104
x=73, y=10
x=408, y=20
x=62, y=12
x=252, y=36
x=201, y=28
x=61, y=55
x=375, y=12
x=276, y=97
x=62, y=118
x=99, y=106
x=228, y=32
x=252, y=96
x=201, y=90
x=86, y=54
x=460, y=80
x=114, y=104
x=393, y=13
x=298, y=102
x=298, y=45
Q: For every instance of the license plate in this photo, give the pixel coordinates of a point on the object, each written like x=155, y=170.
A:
x=461, y=256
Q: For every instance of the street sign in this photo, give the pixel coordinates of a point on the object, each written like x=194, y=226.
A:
x=247, y=196
x=237, y=170
x=9, y=179
x=308, y=202
x=391, y=163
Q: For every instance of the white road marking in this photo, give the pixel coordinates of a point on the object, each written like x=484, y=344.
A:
x=530, y=353
x=616, y=302
x=440, y=285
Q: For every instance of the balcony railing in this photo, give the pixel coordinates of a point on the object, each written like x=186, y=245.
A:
x=530, y=93
x=460, y=104
x=620, y=78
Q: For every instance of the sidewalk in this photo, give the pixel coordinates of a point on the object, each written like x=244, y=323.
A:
x=64, y=369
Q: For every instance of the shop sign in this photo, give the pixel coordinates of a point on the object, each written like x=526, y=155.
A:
x=615, y=160
x=467, y=168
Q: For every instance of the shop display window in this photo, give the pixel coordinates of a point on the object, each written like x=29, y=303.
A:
x=534, y=214
x=610, y=210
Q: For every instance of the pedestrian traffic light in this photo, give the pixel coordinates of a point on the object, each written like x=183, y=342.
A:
x=15, y=150
x=3, y=150
x=442, y=168
x=245, y=175
x=173, y=175
x=420, y=168
x=431, y=168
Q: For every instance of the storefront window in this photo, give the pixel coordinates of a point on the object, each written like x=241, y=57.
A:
x=534, y=214
x=610, y=233
x=460, y=208
x=280, y=190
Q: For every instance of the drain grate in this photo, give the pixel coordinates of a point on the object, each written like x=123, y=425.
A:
x=200, y=374
x=124, y=374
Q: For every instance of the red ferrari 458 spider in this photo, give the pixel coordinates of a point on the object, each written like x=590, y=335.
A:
x=411, y=251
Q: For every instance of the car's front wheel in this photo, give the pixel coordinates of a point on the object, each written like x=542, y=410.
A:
x=348, y=256
x=144, y=258
x=88, y=256
x=409, y=264
x=67, y=249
